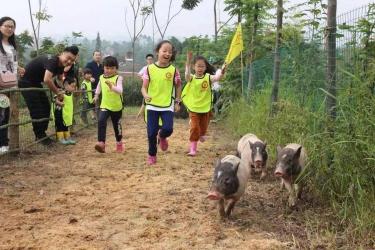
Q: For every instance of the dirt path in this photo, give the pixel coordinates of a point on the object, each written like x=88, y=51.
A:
x=80, y=199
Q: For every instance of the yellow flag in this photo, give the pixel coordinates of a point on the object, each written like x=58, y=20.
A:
x=236, y=46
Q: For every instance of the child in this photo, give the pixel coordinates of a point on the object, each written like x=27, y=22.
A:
x=63, y=112
x=161, y=82
x=197, y=97
x=110, y=86
x=88, y=104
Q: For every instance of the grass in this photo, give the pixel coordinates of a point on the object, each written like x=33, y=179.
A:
x=346, y=185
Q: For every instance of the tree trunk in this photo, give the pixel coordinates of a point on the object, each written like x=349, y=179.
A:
x=331, y=59
x=133, y=66
x=215, y=20
x=34, y=30
x=14, y=138
x=276, y=67
x=252, y=48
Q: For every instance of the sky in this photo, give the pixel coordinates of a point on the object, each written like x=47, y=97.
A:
x=107, y=17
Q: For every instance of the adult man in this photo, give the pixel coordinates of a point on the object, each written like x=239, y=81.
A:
x=43, y=69
x=96, y=68
x=149, y=60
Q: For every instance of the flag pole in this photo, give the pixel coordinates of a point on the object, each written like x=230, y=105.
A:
x=241, y=75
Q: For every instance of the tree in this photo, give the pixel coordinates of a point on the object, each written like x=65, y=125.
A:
x=277, y=61
x=75, y=36
x=217, y=29
x=137, y=11
x=330, y=44
x=186, y=4
x=254, y=12
x=24, y=41
x=98, y=44
x=40, y=15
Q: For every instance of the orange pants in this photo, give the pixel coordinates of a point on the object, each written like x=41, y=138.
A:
x=198, y=124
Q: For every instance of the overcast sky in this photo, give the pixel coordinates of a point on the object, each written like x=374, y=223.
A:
x=107, y=17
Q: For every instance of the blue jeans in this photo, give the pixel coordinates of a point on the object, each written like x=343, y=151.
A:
x=153, y=128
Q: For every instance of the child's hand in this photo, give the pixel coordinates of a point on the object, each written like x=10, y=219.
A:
x=177, y=107
x=189, y=56
x=109, y=84
x=59, y=103
x=95, y=99
x=147, y=98
x=60, y=95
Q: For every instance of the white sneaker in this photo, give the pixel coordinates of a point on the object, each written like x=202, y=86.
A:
x=6, y=149
x=2, y=150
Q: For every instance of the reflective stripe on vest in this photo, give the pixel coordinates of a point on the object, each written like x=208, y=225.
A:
x=161, y=85
x=88, y=87
x=111, y=100
x=197, y=94
x=67, y=110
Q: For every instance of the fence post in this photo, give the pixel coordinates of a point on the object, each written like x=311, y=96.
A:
x=14, y=139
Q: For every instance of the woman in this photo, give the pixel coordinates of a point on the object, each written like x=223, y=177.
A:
x=8, y=62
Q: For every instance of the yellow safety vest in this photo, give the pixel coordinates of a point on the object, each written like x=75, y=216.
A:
x=197, y=94
x=161, y=85
x=111, y=100
x=88, y=87
x=67, y=110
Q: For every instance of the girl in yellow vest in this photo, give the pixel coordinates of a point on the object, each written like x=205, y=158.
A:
x=161, y=90
x=63, y=113
x=110, y=86
x=197, y=97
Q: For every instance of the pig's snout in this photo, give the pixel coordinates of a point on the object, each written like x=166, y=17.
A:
x=214, y=195
x=258, y=163
x=279, y=172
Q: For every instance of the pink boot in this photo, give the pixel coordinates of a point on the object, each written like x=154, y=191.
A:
x=119, y=147
x=193, y=148
x=151, y=160
x=163, y=143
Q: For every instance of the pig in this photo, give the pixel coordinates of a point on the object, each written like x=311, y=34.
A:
x=253, y=151
x=229, y=182
x=290, y=163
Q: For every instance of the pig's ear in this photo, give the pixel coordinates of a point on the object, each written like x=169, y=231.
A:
x=251, y=145
x=217, y=162
x=265, y=143
x=235, y=168
x=297, y=154
x=278, y=149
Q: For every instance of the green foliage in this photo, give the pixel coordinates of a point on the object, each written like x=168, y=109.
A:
x=98, y=45
x=348, y=184
x=24, y=41
x=190, y=4
x=132, y=92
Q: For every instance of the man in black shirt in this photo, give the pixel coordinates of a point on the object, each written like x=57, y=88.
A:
x=97, y=70
x=96, y=67
x=43, y=69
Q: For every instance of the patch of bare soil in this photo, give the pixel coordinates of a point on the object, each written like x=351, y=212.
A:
x=75, y=198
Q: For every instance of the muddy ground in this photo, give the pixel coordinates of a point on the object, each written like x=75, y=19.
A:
x=75, y=198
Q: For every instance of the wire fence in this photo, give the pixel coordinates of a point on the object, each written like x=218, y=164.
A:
x=303, y=65
x=20, y=129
